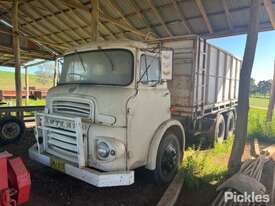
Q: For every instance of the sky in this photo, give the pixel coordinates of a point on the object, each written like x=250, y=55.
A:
x=265, y=52
x=264, y=59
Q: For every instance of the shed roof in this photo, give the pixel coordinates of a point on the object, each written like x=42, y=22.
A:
x=63, y=24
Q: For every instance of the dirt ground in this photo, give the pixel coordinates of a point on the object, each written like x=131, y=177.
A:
x=51, y=188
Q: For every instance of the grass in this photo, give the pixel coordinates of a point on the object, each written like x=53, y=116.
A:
x=7, y=81
x=203, y=167
x=258, y=127
x=30, y=102
x=259, y=102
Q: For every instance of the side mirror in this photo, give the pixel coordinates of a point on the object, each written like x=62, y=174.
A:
x=166, y=64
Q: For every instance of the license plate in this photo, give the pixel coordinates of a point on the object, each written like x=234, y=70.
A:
x=57, y=165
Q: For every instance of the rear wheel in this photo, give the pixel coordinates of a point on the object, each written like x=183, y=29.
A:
x=168, y=158
x=219, y=129
x=230, y=124
x=11, y=130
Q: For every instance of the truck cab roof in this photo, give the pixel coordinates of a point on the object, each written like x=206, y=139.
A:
x=109, y=44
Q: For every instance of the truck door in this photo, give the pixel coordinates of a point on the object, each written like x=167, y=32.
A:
x=150, y=108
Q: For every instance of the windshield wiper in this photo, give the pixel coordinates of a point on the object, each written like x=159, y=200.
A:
x=147, y=67
x=109, y=59
x=81, y=60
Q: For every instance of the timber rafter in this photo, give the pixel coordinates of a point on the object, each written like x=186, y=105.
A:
x=64, y=24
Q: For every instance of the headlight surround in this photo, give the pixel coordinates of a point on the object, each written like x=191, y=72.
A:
x=102, y=150
x=108, y=149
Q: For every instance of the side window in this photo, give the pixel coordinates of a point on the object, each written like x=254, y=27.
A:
x=150, y=69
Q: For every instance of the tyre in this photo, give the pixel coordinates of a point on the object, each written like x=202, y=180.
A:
x=11, y=130
x=219, y=129
x=229, y=124
x=168, y=159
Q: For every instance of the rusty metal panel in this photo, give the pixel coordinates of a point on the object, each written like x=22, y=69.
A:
x=181, y=86
x=204, y=76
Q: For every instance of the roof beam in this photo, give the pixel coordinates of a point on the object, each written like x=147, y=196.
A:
x=76, y=4
x=73, y=15
x=53, y=24
x=204, y=16
x=103, y=16
x=104, y=11
x=40, y=42
x=157, y=14
x=69, y=18
x=62, y=22
x=115, y=7
x=182, y=17
x=95, y=19
x=227, y=15
x=141, y=16
x=87, y=22
x=34, y=39
x=269, y=9
x=31, y=53
x=122, y=26
x=41, y=26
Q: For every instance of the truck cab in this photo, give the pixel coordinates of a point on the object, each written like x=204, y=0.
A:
x=111, y=114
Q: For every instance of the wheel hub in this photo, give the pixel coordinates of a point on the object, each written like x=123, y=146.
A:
x=169, y=160
x=10, y=130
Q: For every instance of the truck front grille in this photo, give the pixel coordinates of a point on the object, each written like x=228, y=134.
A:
x=62, y=144
x=72, y=107
x=62, y=137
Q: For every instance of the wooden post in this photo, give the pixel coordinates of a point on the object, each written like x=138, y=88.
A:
x=16, y=51
x=272, y=100
x=27, y=86
x=243, y=99
x=55, y=73
x=95, y=19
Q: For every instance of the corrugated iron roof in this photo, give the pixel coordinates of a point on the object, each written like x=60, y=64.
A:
x=63, y=24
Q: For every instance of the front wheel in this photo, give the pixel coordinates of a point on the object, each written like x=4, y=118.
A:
x=168, y=159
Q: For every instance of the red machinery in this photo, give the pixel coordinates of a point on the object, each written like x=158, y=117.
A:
x=15, y=181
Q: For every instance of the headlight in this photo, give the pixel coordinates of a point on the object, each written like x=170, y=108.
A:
x=103, y=150
x=108, y=149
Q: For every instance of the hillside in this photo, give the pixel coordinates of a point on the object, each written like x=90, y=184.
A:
x=7, y=81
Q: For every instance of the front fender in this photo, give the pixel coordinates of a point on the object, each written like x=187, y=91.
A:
x=154, y=145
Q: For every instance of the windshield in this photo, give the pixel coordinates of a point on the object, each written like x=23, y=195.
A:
x=107, y=67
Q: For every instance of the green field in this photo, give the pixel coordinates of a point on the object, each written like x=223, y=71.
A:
x=30, y=102
x=259, y=102
x=206, y=167
x=7, y=81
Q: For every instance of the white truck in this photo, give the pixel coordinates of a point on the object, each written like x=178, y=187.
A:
x=122, y=105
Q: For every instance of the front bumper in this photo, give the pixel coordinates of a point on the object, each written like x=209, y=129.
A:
x=91, y=176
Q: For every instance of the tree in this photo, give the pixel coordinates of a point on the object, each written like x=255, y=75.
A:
x=271, y=101
x=264, y=87
x=45, y=73
x=244, y=86
x=253, y=86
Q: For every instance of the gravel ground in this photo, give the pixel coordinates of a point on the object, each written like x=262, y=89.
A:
x=52, y=188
